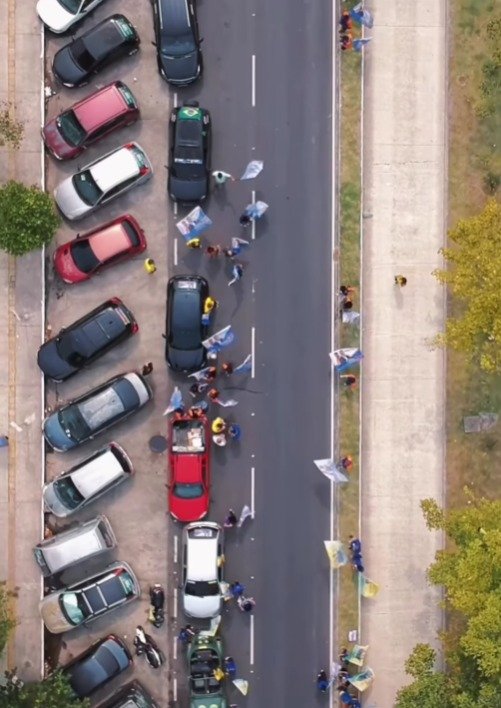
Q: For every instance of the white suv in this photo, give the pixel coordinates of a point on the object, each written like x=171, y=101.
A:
x=102, y=180
x=203, y=560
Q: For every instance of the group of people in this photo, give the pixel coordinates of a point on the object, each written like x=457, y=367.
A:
x=361, y=17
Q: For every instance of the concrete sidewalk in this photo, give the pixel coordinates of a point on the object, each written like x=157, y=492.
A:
x=21, y=323
x=403, y=435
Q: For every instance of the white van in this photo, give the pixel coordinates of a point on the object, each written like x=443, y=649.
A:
x=78, y=543
x=87, y=481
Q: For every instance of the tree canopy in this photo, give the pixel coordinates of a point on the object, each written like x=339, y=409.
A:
x=475, y=280
x=28, y=218
x=469, y=570
x=54, y=692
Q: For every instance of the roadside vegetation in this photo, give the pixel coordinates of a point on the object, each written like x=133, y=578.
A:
x=28, y=218
x=11, y=130
x=54, y=692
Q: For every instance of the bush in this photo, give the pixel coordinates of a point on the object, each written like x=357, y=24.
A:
x=28, y=218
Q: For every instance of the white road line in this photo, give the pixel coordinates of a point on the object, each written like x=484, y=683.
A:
x=174, y=648
x=174, y=690
x=174, y=208
x=253, y=223
x=175, y=251
x=253, y=352
x=174, y=610
x=175, y=100
x=251, y=651
x=253, y=86
x=253, y=490
x=176, y=546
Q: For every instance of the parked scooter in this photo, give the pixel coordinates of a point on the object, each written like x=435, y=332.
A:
x=157, y=601
x=146, y=645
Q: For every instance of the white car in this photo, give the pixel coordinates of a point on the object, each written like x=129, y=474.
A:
x=102, y=180
x=60, y=15
x=203, y=560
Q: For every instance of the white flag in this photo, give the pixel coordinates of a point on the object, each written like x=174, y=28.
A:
x=252, y=170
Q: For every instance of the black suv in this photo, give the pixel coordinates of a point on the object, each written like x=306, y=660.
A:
x=86, y=340
x=177, y=40
x=111, y=39
x=189, y=157
x=184, y=329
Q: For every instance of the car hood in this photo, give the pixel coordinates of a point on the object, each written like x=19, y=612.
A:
x=55, y=434
x=56, y=143
x=51, y=363
x=188, y=190
x=214, y=701
x=66, y=267
x=66, y=70
x=202, y=607
x=68, y=200
x=54, y=15
x=182, y=360
x=52, y=615
x=181, y=70
x=186, y=510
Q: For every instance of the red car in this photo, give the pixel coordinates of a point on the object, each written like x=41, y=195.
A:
x=189, y=458
x=89, y=120
x=106, y=245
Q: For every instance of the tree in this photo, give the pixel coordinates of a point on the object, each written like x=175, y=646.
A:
x=475, y=280
x=11, y=130
x=7, y=622
x=28, y=218
x=429, y=689
x=54, y=692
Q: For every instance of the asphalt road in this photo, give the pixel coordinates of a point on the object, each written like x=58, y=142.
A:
x=282, y=117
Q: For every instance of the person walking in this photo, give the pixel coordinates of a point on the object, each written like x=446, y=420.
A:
x=231, y=520
x=400, y=280
x=237, y=272
x=220, y=177
x=235, y=432
x=246, y=604
x=149, y=265
x=237, y=589
x=147, y=369
x=227, y=368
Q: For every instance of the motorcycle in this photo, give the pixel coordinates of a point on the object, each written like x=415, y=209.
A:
x=146, y=645
x=157, y=600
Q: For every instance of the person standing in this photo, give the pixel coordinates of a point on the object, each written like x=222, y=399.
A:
x=349, y=380
x=246, y=604
x=220, y=177
x=235, y=432
x=227, y=368
x=149, y=266
x=237, y=589
x=147, y=369
x=218, y=426
x=231, y=520
x=213, y=251
x=194, y=243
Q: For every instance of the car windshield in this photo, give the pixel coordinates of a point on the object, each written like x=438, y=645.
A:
x=86, y=187
x=71, y=348
x=67, y=492
x=73, y=424
x=202, y=588
x=82, y=55
x=72, y=6
x=101, y=408
x=70, y=129
x=177, y=46
x=74, y=607
x=84, y=257
x=188, y=491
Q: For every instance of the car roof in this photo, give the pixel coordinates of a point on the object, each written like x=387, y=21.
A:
x=78, y=542
x=114, y=169
x=101, y=407
x=101, y=107
x=98, y=473
x=202, y=558
x=110, y=242
x=174, y=16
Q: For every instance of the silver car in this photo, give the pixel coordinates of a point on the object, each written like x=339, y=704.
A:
x=203, y=560
x=102, y=180
x=87, y=481
x=76, y=544
x=59, y=16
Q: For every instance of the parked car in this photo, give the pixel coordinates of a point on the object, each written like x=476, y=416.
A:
x=97, y=665
x=101, y=181
x=132, y=695
x=95, y=411
x=203, y=559
x=81, y=485
x=110, y=40
x=205, y=655
x=189, y=154
x=68, y=134
x=106, y=245
x=184, y=330
x=177, y=38
x=60, y=15
x=78, y=543
x=189, y=461
x=86, y=340
x=81, y=603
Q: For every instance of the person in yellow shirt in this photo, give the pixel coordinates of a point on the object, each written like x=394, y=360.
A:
x=218, y=425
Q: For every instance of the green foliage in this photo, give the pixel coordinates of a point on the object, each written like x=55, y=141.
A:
x=7, y=622
x=54, y=692
x=428, y=691
x=11, y=130
x=421, y=661
x=28, y=218
x=475, y=279
x=490, y=86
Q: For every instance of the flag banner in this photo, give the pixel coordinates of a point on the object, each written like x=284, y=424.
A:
x=252, y=170
x=343, y=359
x=368, y=588
x=358, y=44
x=244, y=514
x=176, y=401
x=336, y=553
x=220, y=339
x=256, y=210
x=329, y=468
x=245, y=366
x=357, y=653
x=194, y=224
x=200, y=375
x=226, y=404
x=242, y=685
x=362, y=16
x=363, y=680
x=350, y=317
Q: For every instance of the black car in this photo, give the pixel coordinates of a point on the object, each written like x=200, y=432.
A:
x=97, y=666
x=184, y=328
x=86, y=340
x=189, y=156
x=111, y=39
x=132, y=695
x=177, y=41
